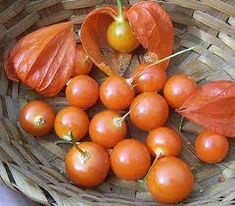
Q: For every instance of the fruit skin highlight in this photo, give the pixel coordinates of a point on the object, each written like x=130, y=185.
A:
x=130, y=159
x=116, y=93
x=170, y=180
x=71, y=119
x=37, y=118
x=107, y=129
x=177, y=89
x=87, y=165
x=82, y=91
x=211, y=147
x=149, y=111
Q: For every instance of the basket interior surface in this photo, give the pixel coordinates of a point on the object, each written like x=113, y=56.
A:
x=35, y=167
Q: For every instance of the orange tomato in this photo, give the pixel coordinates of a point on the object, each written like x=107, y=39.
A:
x=170, y=180
x=121, y=37
x=37, y=118
x=178, y=88
x=164, y=141
x=89, y=168
x=149, y=78
x=107, y=129
x=211, y=147
x=82, y=63
x=130, y=159
x=149, y=111
x=116, y=93
x=82, y=91
x=71, y=119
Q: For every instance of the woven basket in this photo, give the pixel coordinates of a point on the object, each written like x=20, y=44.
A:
x=35, y=167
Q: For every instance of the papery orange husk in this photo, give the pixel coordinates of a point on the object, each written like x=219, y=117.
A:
x=94, y=40
x=153, y=28
x=43, y=59
x=212, y=106
x=150, y=23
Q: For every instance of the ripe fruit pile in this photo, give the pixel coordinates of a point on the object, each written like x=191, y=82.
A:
x=88, y=163
x=147, y=98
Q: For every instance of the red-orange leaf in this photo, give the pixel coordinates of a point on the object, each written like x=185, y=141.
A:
x=153, y=28
x=212, y=106
x=43, y=59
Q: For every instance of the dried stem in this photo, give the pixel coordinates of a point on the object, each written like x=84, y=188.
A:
x=39, y=121
x=173, y=55
x=158, y=155
x=130, y=80
x=118, y=121
x=75, y=144
x=62, y=142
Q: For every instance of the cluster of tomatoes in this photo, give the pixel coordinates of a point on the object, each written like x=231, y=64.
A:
x=169, y=179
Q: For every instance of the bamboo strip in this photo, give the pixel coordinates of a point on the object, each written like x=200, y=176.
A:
x=38, y=155
x=205, y=36
x=212, y=61
x=182, y=19
x=23, y=152
x=231, y=21
x=223, y=54
x=1, y=109
x=4, y=133
x=191, y=4
x=230, y=70
x=220, y=6
x=213, y=22
x=18, y=158
x=3, y=81
x=227, y=40
x=73, y=4
x=11, y=108
x=40, y=4
x=220, y=75
x=28, y=174
x=55, y=17
x=199, y=49
x=51, y=146
x=23, y=25
x=3, y=31
x=4, y=176
x=53, y=173
x=28, y=188
x=12, y=10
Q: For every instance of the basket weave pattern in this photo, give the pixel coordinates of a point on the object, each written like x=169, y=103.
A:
x=35, y=167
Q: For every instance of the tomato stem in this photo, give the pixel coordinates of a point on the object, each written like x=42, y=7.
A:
x=119, y=18
x=173, y=55
x=131, y=79
x=84, y=155
x=119, y=121
x=181, y=123
x=62, y=142
x=39, y=121
x=158, y=155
